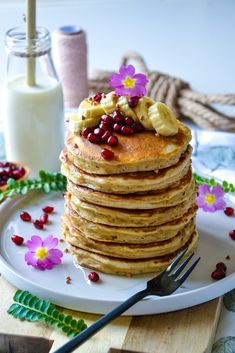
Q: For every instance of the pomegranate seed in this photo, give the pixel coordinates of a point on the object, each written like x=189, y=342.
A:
x=48, y=209
x=106, y=135
x=93, y=138
x=129, y=121
x=117, y=127
x=17, y=239
x=38, y=224
x=16, y=174
x=232, y=234
x=104, y=126
x=93, y=276
x=97, y=98
x=127, y=130
x=112, y=140
x=107, y=119
x=218, y=274
x=44, y=218
x=86, y=131
x=118, y=117
x=133, y=101
x=99, y=131
x=229, y=211
x=138, y=127
x=221, y=266
x=107, y=154
x=25, y=216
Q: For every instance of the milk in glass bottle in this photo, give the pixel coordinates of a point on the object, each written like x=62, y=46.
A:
x=32, y=114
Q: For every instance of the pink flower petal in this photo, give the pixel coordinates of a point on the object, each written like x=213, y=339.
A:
x=122, y=91
x=141, y=79
x=138, y=91
x=203, y=189
x=220, y=204
x=201, y=201
x=50, y=242
x=30, y=258
x=55, y=256
x=128, y=70
x=34, y=243
x=217, y=191
x=115, y=80
x=44, y=264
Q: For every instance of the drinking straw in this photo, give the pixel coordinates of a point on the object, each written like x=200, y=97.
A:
x=30, y=35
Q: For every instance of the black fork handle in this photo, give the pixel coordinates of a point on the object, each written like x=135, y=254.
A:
x=103, y=321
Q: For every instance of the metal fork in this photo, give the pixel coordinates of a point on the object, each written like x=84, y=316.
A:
x=163, y=284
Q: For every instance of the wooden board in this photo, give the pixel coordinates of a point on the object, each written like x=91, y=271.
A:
x=187, y=331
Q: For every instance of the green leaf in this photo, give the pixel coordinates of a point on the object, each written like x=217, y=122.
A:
x=31, y=308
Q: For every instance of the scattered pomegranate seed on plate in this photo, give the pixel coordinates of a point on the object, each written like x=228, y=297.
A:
x=229, y=211
x=38, y=224
x=218, y=274
x=48, y=209
x=44, y=218
x=232, y=234
x=17, y=239
x=25, y=216
x=93, y=276
x=221, y=266
x=107, y=154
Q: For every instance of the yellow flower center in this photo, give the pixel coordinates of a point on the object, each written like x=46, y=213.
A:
x=129, y=82
x=41, y=253
x=210, y=198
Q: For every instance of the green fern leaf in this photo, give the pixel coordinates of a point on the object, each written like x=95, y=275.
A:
x=31, y=308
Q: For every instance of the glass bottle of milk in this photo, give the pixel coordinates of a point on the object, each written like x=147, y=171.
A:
x=33, y=116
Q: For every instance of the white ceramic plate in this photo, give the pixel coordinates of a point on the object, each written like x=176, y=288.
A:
x=214, y=245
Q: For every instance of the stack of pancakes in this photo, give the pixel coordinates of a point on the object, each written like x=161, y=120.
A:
x=134, y=213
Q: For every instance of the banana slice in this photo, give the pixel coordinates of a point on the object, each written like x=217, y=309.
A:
x=123, y=106
x=141, y=111
x=89, y=109
x=163, y=119
x=77, y=124
x=108, y=103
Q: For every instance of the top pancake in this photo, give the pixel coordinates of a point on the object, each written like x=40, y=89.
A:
x=139, y=152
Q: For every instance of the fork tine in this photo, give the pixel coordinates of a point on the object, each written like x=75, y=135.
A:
x=182, y=266
x=187, y=273
x=177, y=259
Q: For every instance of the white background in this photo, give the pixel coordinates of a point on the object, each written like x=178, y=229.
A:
x=191, y=39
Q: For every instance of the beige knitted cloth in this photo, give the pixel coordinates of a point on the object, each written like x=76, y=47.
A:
x=177, y=94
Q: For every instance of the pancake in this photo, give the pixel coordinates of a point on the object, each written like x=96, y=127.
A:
x=130, y=218
x=128, y=267
x=128, y=182
x=130, y=251
x=148, y=200
x=134, y=235
x=139, y=152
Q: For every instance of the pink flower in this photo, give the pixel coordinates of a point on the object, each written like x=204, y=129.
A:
x=210, y=199
x=126, y=82
x=43, y=254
